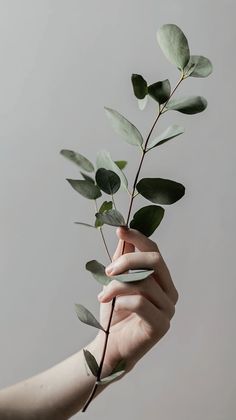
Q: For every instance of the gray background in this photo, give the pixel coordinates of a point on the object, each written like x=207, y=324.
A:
x=61, y=62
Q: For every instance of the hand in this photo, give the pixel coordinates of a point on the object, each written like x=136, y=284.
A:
x=143, y=309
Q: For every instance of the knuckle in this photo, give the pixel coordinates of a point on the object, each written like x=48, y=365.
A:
x=155, y=257
x=140, y=301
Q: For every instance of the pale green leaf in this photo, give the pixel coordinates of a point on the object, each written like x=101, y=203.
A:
x=171, y=132
x=121, y=164
x=86, y=188
x=87, y=177
x=124, y=127
x=98, y=271
x=87, y=317
x=111, y=217
x=174, y=45
x=188, y=105
x=198, y=66
x=91, y=362
x=134, y=275
x=78, y=159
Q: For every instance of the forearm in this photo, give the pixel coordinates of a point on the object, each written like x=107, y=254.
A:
x=57, y=393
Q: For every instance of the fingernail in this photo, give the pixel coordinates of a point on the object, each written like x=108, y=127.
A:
x=110, y=268
x=100, y=295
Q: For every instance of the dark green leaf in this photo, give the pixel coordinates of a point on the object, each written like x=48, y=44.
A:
x=171, y=132
x=136, y=275
x=104, y=160
x=108, y=181
x=160, y=91
x=188, y=105
x=98, y=271
x=85, y=316
x=85, y=188
x=121, y=163
x=85, y=224
x=198, y=66
x=139, y=86
x=160, y=191
x=174, y=45
x=111, y=217
x=147, y=219
x=79, y=159
x=106, y=205
x=87, y=177
x=124, y=127
x=91, y=362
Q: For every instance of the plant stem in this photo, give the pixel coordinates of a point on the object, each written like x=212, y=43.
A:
x=133, y=194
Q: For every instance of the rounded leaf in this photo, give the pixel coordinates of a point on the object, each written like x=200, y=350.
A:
x=160, y=191
x=160, y=91
x=139, y=86
x=104, y=160
x=91, y=362
x=174, y=45
x=87, y=317
x=188, y=105
x=78, y=159
x=107, y=180
x=198, y=66
x=147, y=219
x=98, y=271
x=86, y=188
x=111, y=217
x=124, y=127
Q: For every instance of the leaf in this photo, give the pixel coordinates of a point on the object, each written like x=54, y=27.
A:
x=174, y=45
x=85, y=224
x=87, y=177
x=139, y=86
x=161, y=191
x=171, y=132
x=198, y=66
x=142, y=103
x=104, y=160
x=85, y=316
x=79, y=159
x=98, y=271
x=111, y=217
x=123, y=127
x=188, y=105
x=106, y=205
x=135, y=275
x=121, y=164
x=107, y=180
x=85, y=188
x=118, y=371
x=160, y=91
x=91, y=362
x=147, y=219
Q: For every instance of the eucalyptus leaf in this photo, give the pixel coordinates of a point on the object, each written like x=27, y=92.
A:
x=135, y=275
x=86, y=188
x=160, y=91
x=78, y=159
x=198, y=66
x=106, y=205
x=121, y=164
x=104, y=160
x=87, y=317
x=139, y=86
x=188, y=105
x=108, y=181
x=124, y=127
x=160, y=191
x=87, y=177
x=147, y=219
x=170, y=133
x=98, y=271
x=111, y=217
x=174, y=45
x=91, y=362
x=142, y=103
x=111, y=377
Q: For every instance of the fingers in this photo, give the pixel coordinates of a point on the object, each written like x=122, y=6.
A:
x=148, y=288
x=140, y=241
x=128, y=248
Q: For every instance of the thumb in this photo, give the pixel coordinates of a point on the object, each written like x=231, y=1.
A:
x=118, y=252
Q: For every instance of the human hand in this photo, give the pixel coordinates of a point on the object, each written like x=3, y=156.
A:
x=143, y=309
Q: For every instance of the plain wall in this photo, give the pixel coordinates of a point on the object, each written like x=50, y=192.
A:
x=61, y=63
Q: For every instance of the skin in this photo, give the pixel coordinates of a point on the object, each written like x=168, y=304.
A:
x=142, y=316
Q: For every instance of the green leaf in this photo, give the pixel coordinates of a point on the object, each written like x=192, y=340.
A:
x=85, y=188
x=85, y=316
x=98, y=271
x=104, y=160
x=174, y=45
x=160, y=191
x=171, y=132
x=135, y=275
x=160, y=91
x=147, y=219
x=139, y=86
x=121, y=164
x=108, y=181
x=85, y=224
x=198, y=66
x=111, y=217
x=78, y=159
x=188, y=105
x=91, y=362
x=87, y=177
x=118, y=371
x=123, y=127
x=106, y=205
